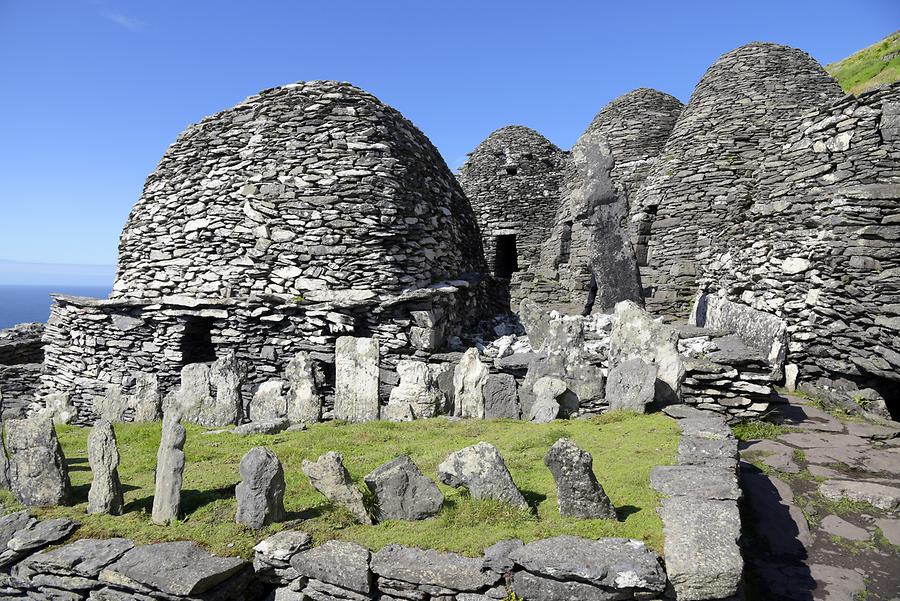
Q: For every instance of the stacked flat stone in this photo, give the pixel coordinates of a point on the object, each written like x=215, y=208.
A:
x=703, y=186
x=512, y=180
x=819, y=244
x=21, y=354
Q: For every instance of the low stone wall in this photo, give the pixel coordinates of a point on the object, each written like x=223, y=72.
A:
x=21, y=353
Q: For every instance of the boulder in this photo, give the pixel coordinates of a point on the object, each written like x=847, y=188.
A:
x=534, y=319
x=339, y=563
x=635, y=334
x=169, y=470
x=227, y=377
x=481, y=469
x=546, y=406
x=105, y=495
x=500, y=398
x=631, y=385
x=145, y=398
x=426, y=567
x=269, y=402
x=402, y=492
x=610, y=563
x=260, y=494
x=304, y=403
x=418, y=389
x=469, y=378
x=329, y=476
x=192, y=393
x=57, y=407
x=181, y=568
x=578, y=493
x=356, y=363
x=37, y=466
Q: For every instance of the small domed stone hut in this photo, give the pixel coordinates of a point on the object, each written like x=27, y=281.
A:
x=703, y=184
x=512, y=180
x=304, y=213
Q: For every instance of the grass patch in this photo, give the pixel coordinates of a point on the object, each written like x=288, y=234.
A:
x=625, y=448
x=755, y=429
x=868, y=67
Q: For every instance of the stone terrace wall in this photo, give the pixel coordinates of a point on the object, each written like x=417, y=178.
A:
x=313, y=185
x=820, y=245
x=704, y=182
x=92, y=345
x=21, y=353
x=512, y=180
x=637, y=125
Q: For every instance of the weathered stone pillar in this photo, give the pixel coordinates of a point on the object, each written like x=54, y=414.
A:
x=105, y=495
x=469, y=377
x=260, y=494
x=169, y=470
x=356, y=379
x=304, y=403
x=578, y=493
x=37, y=466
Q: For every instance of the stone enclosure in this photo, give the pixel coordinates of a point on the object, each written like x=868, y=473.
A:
x=307, y=255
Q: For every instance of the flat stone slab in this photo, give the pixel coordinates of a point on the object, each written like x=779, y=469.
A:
x=41, y=534
x=84, y=558
x=764, y=446
x=530, y=586
x=430, y=567
x=704, y=451
x=695, y=481
x=341, y=563
x=807, y=417
x=820, y=471
x=703, y=557
x=836, y=526
x=812, y=440
x=839, y=584
x=782, y=463
x=873, y=431
x=684, y=411
x=615, y=563
x=713, y=428
x=890, y=528
x=180, y=568
x=878, y=495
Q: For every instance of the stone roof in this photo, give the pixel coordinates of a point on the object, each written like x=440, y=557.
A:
x=310, y=186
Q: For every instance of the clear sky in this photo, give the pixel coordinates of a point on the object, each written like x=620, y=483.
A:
x=93, y=91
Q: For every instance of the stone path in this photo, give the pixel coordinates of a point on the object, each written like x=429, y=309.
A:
x=822, y=509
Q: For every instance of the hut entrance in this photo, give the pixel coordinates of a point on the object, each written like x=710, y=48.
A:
x=506, y=260
x=196, y=341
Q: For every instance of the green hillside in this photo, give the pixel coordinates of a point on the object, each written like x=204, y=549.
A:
x=870, y=67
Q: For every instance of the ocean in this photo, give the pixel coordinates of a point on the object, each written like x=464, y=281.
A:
x=19, y=304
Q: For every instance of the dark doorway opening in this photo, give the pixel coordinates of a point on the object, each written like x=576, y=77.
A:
x=565, y=243
x=196, y=341
x=506, y=260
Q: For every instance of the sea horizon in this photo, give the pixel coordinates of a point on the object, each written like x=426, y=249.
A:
x=26, y=303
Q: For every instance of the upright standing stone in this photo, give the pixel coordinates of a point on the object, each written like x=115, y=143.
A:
x=631, y=385
x=481, y=469
x=500, y=398
x=260, y=494
x=356, y=379
x=105, y=495
x=269, y=402
x=146, y=398
x=329, y=476
x=37, y=466
x=403, y=492
x=468, y=384
x=304, y=403
x=169, y=470
x=547, y=392
x=418, y=388
x=226, y=376
x=192, y=393
x=579, y=495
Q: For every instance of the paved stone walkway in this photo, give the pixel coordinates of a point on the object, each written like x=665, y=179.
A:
x=822, y=509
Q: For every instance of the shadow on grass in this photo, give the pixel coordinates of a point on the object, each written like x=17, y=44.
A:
x=77, y=464
x=624, y=511
x=192, y=500
x=533, y=498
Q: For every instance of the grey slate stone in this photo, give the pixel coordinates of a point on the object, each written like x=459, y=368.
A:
x=709, y=452
x=356, y=363
x=529, y=586
x=402, y=492
x=105, y=495
x=548, y=391
x=429, y=567
x=169, y=470
x=578, y=493
x=481, y=469
x=697, y=481
x=339, y=563
x=496, y=557
x=329, y=476
x=272, y=426
x=41, y=534
x=260, y=493
x=84, y=558
x=879, y=495
x=37, y=466
x=631, y=385
x=500, y=398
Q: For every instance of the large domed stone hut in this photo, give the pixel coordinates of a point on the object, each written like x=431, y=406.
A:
x=512, y=180
x=302, y=214
x=703, y=185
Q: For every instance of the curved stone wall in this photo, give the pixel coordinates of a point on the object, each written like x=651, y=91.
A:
x=512, y=180
x=703, y=185
x=310, y=186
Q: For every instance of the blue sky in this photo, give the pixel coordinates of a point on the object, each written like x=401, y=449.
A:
x=93, y=91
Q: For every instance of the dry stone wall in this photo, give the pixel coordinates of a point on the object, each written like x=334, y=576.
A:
x=703, y=185
x=818, y=245
x=512, y=180
x=310, y=186
x=21, y=354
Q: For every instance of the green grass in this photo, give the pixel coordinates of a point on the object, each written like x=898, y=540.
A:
x=867, y=68
x=755, y=429
x=625, y=448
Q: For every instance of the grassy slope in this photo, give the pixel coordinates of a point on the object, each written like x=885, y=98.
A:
x=867, y=68
x=625, y=447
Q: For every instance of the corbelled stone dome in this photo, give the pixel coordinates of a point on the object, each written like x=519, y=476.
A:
x=742, y=109
x=310, y=186
x=512, y=180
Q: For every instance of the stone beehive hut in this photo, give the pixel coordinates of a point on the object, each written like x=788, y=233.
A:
x=310, y=186
x=306, y=212
x=630, y=132
x=512, y=180
x=703, y=183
